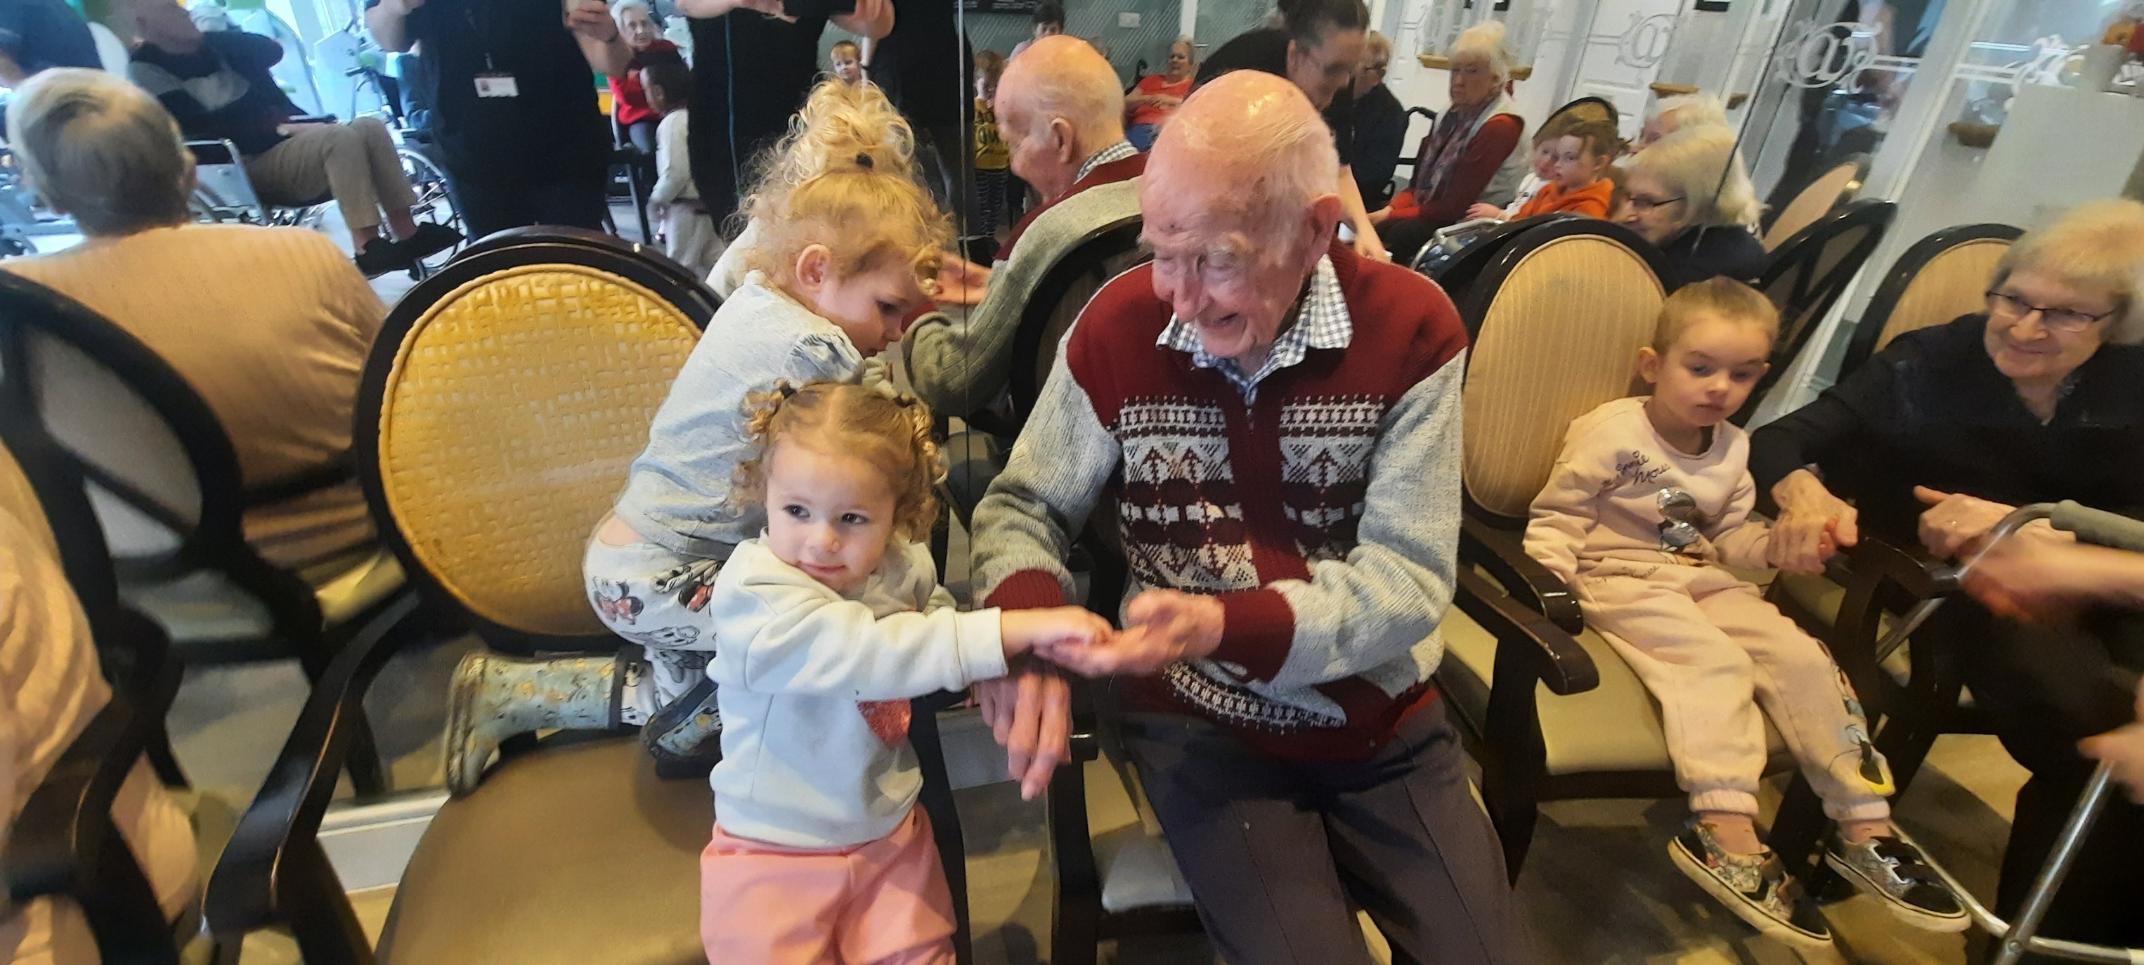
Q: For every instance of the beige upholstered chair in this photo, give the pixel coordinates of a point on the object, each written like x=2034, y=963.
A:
x=1833, y=188
x=1550, y=710
x=500, y=409
x=1941, y=277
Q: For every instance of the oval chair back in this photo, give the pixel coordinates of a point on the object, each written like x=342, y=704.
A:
x=1830, y=190
x=500, y=409
x=1940, y=278
x=1106, y=251
x=1586, y=109
x=1559, y=317
x=151, y=457
x=1806, y=276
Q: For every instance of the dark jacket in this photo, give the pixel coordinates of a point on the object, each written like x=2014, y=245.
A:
x=222, y=91
x=1712, y=251
x=1380, y=136
x=1932, y=410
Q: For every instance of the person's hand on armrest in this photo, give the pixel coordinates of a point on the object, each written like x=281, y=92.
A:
x=1813, y=524
x=1482, y=211
x=1030, y=713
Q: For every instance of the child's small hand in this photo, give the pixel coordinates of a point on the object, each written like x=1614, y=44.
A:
x=1480, y=210
x=1052, y=629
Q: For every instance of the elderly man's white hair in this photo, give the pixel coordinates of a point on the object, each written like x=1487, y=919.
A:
x=100, y=149
x=1484, y=42
x=1689, y=110
x=1259, y=133
x=1064, y=76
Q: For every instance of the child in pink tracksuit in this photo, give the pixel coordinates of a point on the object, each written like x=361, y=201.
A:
x=1648, y=505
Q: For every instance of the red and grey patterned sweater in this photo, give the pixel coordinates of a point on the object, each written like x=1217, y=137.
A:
x=1325, y=516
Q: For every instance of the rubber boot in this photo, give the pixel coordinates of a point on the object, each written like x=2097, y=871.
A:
x=685, y=737
x=495, y=697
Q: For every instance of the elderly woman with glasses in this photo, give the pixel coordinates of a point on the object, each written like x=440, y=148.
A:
x=1936, y=438
x=1688, y=194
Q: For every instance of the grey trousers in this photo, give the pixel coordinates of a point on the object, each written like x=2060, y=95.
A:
x=1279, y=852
x=355, y=162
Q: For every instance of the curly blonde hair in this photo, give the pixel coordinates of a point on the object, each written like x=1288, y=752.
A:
x=891, y=432
x=844, y=176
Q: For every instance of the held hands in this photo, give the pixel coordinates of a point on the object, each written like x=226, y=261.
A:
x=1813, y=524
x=1161, y=628
x=1047, y=630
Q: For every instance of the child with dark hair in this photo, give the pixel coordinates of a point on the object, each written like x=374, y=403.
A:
x=1049, y=21
x=686, y=230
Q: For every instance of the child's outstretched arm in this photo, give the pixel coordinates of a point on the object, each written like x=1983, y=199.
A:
x=1564, y=513
x=781, y=634
x=1739, y=540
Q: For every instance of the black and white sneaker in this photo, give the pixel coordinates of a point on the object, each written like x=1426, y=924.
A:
x=1755, y=887
x=1897, y=874
x=382, y=256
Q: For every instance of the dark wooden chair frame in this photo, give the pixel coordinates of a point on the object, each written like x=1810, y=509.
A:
x=1811, y=293
x=215, y=541
x=1901, y=275
x=64, y=843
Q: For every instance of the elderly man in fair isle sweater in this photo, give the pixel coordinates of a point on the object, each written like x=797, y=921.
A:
x=1278, y=421
x=1061, y=110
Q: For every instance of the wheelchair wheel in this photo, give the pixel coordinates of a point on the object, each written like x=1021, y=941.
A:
x=435, y=203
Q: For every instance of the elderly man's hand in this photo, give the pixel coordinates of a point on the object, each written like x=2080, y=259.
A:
x=960, y=281
x=1954, y=522
x=2123, y=749
x=591, y=18
x=1030, y=714
x=1161, y=628
x=1813, y=524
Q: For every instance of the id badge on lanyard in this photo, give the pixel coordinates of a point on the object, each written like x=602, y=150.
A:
x=491, y=82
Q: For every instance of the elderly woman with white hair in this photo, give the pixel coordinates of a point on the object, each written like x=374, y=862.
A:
x=1934, y=439
x=629, y=102
x=1689, y=195
x=1475, y=153
x=270, y=325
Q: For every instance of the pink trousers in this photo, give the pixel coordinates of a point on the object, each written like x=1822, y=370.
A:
x=883, y=901
x=1713, y=652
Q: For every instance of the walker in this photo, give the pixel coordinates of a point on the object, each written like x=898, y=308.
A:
x=2089, y=526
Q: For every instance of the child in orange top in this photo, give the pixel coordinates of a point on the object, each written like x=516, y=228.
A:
x=1581, y=186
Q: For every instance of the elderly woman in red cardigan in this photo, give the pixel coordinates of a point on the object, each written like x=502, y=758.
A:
x=1474, y=154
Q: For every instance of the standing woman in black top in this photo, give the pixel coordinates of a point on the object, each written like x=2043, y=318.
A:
x=752, y=66
x=514, y=102
x=1316, y=46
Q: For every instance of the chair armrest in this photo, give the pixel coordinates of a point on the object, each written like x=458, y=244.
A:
x=246, y=891
x=1525, y=637
x=314, y=119
x=54, y=844
x=1502, y=553
x=214, y=152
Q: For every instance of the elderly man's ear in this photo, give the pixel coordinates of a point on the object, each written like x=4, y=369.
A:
x=1320, y=221
x=1064, y=143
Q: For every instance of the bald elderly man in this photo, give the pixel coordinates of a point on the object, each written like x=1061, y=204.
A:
x=1061, y=111
x=1277, y=421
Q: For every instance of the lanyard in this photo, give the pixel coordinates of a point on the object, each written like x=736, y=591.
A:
x=469, y=13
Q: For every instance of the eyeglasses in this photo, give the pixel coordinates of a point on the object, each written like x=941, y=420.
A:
x=1639, y=202
x=2012, y=307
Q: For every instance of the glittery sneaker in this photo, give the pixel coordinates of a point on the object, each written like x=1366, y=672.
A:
x=1756, y=887
x=1897, y=874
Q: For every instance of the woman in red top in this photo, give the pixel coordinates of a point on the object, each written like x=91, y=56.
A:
x=629, y=104
x=1157, y=96
x=1473, y=154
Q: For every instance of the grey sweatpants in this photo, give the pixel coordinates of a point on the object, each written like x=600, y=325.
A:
x=355, y=162
x=1275, y=850
x=656, y=598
